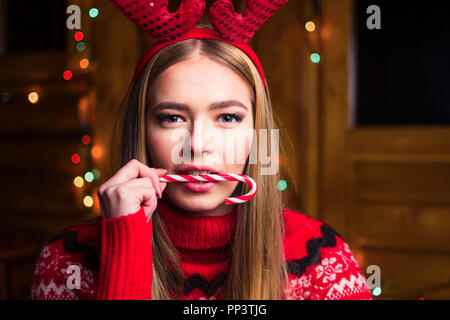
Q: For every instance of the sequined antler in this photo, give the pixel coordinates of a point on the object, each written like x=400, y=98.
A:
x=238, y=27
x=153, y=17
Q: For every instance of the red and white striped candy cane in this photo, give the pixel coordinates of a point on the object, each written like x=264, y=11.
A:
x=216, y=177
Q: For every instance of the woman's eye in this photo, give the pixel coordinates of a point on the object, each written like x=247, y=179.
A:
x=228, y=117
x=173, y=118
x=169, y=118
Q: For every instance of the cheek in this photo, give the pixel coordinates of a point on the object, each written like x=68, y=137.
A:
x=237, y=149
x=159, y=148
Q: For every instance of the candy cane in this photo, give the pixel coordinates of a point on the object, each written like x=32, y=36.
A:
x=217, y=177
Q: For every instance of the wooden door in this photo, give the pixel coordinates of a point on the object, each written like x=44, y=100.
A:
x=385, y=187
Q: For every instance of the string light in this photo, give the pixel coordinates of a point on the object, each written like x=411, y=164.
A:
x=89, y=176
x=75, y=158
x=93, y=13
x=96, y=173
x=81, y=46
x=88, y=201
x=67, y=75
x=5, y=96
x=310, y=26
x=79, y=35
x=376, y=291
x=282, y=185
x=84, y=63
x=97, y=152
x=33, y=97
x=315, y=57
x=78, y=182
x=86, y=152
x=86, y=139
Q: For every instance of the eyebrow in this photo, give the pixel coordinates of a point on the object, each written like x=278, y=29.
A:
x=185, y=107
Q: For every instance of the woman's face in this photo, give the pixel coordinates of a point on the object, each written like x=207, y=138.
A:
x=198, y=113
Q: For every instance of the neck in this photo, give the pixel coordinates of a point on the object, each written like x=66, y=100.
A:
x=221, y=210
x=191, y=231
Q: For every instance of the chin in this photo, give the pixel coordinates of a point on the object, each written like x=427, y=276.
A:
x=198, y=204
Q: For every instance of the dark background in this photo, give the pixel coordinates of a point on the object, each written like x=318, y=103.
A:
x=403, y=69
x=23, y=35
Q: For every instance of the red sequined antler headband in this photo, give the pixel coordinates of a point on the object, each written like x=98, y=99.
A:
x=229, y=26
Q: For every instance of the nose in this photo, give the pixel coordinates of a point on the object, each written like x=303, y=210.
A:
x=199, y=138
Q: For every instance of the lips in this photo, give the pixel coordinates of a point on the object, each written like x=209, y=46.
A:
x=199, y=186
x=197, y=170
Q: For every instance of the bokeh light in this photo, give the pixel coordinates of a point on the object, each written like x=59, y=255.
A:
x=81, y=46
x=33, y=97
x=75, y=158
x=315, y=57
x=67, y=75
x=88, y=201
x=78, y=182
x=97, y=152
x=97, y=174
x=84, y=63
x=310, y=26
x=86, y=139
x=282, y=185
x=79, y=35
x=376, y=291
x=93, y=13
x=89, y=176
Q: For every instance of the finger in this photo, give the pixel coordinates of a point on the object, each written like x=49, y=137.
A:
x=132, y=170
x=143, y=183
x=163, y=186
x=154, y=177
x=145, y=193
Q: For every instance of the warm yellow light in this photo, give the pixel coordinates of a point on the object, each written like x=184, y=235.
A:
x=78, y=182
x=97, y=152
x=88, y=201
x=310, y=26
x=84, y=63
x=33, y=97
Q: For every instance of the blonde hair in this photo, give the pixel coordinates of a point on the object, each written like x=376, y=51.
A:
x=257, y=263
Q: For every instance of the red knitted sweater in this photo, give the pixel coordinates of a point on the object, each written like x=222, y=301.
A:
x=112, y=259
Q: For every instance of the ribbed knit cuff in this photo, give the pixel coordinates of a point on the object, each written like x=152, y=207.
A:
x=126, y=258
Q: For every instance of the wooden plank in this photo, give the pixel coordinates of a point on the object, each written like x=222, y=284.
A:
x=32, y=66
x=424, y=227
x=405, y=274
x=402, y=181
x=336, y=31
x=400, y=140
x=53, y=113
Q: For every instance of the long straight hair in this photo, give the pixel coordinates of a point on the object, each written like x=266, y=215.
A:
x=257, y=262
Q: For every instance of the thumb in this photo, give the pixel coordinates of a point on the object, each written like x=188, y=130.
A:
x=162, y=172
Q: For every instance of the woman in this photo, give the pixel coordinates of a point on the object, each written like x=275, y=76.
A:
x=180, y=240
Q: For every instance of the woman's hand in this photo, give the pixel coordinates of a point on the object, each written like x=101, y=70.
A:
x=134, y=185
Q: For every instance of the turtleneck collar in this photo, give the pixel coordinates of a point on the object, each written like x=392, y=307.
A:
x=197, y=233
